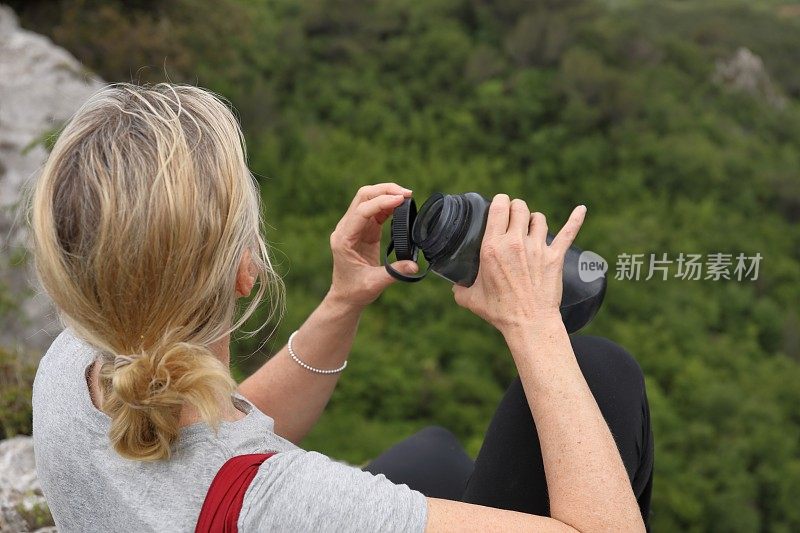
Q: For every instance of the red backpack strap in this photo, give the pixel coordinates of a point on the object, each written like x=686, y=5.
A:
x=223, y=503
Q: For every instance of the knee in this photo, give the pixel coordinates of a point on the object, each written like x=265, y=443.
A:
x=436, y=433
x=604, y=359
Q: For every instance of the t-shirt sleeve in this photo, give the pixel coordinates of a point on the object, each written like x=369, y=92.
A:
x=307, y=491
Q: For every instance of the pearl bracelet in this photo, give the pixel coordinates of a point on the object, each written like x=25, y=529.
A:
x=309, y=367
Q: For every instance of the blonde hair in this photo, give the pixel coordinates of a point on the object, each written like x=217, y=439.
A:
x=140, y=218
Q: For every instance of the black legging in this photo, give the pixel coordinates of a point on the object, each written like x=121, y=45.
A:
x=509, y=473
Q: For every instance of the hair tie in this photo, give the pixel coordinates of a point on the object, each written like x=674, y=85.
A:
x=123, y=360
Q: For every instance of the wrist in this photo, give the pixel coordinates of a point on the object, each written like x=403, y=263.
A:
x=537, y=342
x=532, y=325
x=340, y=305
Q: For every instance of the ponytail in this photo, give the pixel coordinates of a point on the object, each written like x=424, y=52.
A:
x=144, y=397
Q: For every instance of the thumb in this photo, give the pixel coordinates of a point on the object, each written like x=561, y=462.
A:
x=406, y=267
x=381, y=279
x=460, y=294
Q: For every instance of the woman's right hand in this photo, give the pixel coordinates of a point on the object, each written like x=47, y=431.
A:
x=520, y=275
x=518, y=290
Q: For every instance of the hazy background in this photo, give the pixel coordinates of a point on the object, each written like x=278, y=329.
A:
x=677, y=123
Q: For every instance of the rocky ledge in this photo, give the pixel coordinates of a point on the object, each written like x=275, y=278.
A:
x=22, y=504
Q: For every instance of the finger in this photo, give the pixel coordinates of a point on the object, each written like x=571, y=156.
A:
x=368, y=192
x=379, y=207
x=381, y=217
x=538, y=228
x=406, y=267
x=378, y=278
x=379, y=204
x=497, y=221
x=460, y=295
x=567, y=235
x=520, y=217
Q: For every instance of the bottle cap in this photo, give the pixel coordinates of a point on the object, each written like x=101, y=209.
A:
x=404, y=247
x=402, y=222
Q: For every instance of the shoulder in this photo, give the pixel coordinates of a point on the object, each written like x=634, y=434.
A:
x=306, y=490
x=67, y=351
x=60, y=376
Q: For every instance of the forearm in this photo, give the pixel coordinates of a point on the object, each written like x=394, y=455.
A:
x=586, y=479
x=293, y=396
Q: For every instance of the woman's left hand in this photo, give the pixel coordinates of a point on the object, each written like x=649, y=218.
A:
x=358, y=276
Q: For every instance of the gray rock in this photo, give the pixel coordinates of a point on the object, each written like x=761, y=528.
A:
x=17, y=466
x=41, y=86
x=745, y=72
x=22, y=505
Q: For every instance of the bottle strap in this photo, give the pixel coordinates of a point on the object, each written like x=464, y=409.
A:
x=399, y=275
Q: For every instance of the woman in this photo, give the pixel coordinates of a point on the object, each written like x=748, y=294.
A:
x=146, y=226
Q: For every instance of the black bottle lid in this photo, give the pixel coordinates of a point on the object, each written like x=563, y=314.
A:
x=404, y=247
x=402, y=222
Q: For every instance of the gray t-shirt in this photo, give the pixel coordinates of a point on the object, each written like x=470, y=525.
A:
x=89, y=487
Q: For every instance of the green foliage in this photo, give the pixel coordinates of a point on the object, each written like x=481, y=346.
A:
x=47, y=140
x=16, y=383
x=611, y=104
x=35, y=512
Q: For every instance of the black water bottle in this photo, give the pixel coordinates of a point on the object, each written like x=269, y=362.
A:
x=449, y=230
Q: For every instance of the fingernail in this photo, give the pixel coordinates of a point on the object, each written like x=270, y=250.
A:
x=412, y=268
x=582, y=206
x=406, y=190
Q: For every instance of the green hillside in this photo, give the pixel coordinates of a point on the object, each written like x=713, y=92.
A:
x=615, y=104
